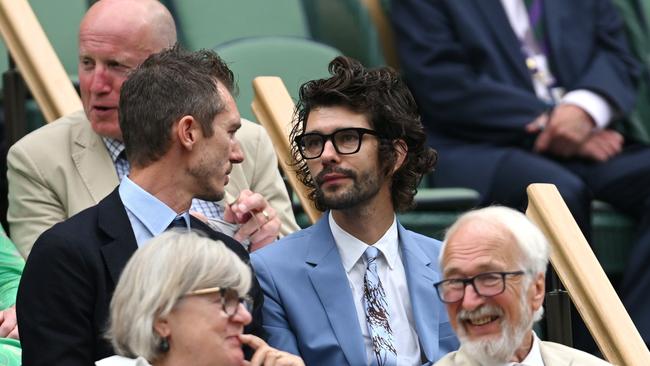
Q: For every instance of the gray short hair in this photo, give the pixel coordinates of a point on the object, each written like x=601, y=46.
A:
x=155, y=279
x=528, y=237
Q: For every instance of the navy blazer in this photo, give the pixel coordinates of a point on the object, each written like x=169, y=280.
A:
x=464, y=65
x=308, y=306
x=69, y=278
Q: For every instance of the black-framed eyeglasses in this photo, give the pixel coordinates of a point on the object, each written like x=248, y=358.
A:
x=229, y=298
x=346, y=141
x=485, y=284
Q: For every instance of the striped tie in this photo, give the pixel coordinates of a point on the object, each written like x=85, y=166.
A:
x=377, y=315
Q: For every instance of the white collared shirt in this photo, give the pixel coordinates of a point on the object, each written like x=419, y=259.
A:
x=595, y=105
x=393, y=279
x=534, y=357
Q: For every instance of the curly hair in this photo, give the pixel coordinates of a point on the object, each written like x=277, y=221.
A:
x=383, y=97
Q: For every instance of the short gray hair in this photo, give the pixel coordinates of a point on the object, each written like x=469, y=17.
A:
x=529, y=238
x=156, y=278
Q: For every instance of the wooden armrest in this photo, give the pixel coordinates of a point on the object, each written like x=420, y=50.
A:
x=36, y=60
x=582, y=275
x=273, y=107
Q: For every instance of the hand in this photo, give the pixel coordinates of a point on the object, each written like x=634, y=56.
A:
x=602, y=145
x=539, y=124
x=199, y=216
x=267, y=355
x=8, y=324
x=567, y=128
x=259, y=222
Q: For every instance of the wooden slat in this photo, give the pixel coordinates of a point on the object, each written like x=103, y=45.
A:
x=585, y=280
x=384, y=29
x=273, y=107
x=36, y=60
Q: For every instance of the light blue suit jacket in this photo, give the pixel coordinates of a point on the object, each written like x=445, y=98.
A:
x=308, y=307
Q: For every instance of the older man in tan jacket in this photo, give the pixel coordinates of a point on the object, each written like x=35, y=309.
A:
x=494, y=263
x=74, y=162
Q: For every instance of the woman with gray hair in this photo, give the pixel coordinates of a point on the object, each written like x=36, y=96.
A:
x=181, y=300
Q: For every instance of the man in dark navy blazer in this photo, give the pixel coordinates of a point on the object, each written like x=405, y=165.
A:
x=514, y=92
x=179, y=120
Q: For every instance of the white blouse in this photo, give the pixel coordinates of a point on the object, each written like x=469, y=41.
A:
x=122, y=361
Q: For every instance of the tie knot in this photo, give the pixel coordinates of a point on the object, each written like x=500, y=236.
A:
x=371, y=253
x=178, y=222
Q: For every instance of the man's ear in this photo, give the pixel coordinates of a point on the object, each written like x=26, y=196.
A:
x=187, y=131
x=539, y=290
x=401, y=150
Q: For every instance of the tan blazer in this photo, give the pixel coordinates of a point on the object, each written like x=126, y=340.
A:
x=553, y=354
x=64, y=167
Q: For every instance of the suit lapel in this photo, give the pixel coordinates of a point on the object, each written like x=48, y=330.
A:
x=497, y=21
x=331, y=284
x=93, y=162
x=420, y=276
x=556, y=13
x=120, y=241
x=552, y=357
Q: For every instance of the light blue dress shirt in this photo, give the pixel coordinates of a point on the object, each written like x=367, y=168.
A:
x=148, y=215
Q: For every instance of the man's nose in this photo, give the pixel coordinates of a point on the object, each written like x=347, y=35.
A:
x=101, y=82
x=329, y=152
x=236, y=153
x=472, y=300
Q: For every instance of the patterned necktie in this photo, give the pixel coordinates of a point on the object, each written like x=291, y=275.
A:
x=377, y=315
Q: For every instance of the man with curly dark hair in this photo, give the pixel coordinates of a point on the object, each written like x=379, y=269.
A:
x=356, y=288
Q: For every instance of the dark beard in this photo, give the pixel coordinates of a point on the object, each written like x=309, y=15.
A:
x=362, y=190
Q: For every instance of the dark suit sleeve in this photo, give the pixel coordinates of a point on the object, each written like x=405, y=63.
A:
x=611, y=71
x=465, y=90
x=55, y=305
x=454, y=95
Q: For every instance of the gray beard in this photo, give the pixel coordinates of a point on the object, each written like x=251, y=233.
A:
x=499, y=351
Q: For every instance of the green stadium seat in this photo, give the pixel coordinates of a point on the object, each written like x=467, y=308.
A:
x=206, y=23
x=636, y=17
x=347, y=26
x=60, y=21
x=4, y=58
x=295, y=60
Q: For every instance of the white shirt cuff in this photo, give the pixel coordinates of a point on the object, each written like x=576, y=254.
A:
x=595, y=105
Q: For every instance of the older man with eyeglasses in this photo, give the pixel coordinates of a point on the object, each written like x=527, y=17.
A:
x=494, y=263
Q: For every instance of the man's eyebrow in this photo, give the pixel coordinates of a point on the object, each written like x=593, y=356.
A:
x=482, y=268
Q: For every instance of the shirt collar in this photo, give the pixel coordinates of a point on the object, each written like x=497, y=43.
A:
x=153, y=213
x=115, y=147
x=351, y=248
x=534, y=357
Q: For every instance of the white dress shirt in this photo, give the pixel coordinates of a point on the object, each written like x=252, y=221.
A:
x=595, y=105
x=534, y=357
x=393, y=279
